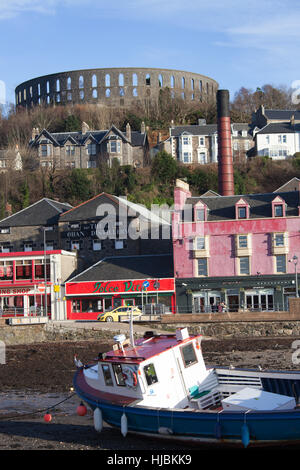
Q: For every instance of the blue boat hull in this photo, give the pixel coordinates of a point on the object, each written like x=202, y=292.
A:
x=253, y=426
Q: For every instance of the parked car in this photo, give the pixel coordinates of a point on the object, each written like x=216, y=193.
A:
x=113, y=315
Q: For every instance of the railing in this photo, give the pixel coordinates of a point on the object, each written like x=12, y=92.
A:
x=7, y=312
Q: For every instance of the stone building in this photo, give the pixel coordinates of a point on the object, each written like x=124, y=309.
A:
x=199, y=143
x=114, y=87
x=10, y=159
x=87, y=148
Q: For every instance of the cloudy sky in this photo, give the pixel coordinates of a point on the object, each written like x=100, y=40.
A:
x=237, y=43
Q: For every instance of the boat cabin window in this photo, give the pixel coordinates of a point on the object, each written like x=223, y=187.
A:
x=188, y=355
x=120, y=379
x=150, y=374
x=107, y=375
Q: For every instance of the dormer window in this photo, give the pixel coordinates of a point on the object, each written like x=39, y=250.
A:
x=200, y=212
x=278, y=210
x=242, y=209
x=242, y=212
x=278, y=207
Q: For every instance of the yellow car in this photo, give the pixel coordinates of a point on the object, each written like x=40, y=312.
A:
x=113, y=315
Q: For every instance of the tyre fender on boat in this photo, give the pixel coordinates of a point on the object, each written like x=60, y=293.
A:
x=130, y=377
x=124, y=425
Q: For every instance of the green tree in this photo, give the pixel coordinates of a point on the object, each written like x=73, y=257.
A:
x=164, y=168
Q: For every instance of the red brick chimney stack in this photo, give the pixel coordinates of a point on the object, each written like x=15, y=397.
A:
x=225, y=162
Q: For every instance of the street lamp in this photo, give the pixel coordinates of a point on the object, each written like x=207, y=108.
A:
x=44, y=229
x=295, y=261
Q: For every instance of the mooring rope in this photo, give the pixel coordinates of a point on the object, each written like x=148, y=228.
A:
x=3, y=418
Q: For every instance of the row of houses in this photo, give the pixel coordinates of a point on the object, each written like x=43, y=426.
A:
x=240, y=250
x=272, y=133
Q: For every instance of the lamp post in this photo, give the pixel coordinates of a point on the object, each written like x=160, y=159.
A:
x=295, y=261
x=45, y=269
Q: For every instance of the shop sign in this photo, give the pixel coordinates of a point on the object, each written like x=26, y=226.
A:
x=118, y=287
x=16, y=291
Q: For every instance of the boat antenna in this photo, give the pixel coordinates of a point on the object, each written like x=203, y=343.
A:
x=131, y=328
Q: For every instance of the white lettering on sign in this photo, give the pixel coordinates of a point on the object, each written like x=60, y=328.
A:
x=16, y=291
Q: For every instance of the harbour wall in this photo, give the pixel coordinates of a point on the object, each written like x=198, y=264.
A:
x=73, y=331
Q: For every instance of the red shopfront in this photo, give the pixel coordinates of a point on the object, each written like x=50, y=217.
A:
x=85, y=300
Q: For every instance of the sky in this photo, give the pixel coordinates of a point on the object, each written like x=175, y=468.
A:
x=239, y=44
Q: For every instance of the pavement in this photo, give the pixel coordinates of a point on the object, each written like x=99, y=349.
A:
x=108, y=326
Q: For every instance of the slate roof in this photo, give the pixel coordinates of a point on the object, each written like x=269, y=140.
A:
x=60, y=138
x=281, y=114
x=223, y=207
x=208, y=129
x=41, y=213
x=88, y=209
x=279, y=128
x=128, y=267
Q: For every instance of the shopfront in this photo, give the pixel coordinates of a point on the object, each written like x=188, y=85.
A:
x=85, y=300
x=29, y=281
x=239, y=294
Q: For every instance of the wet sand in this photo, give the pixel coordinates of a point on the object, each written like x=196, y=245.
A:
x=37, y=377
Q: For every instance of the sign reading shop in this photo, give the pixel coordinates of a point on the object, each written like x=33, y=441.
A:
x=120, y=287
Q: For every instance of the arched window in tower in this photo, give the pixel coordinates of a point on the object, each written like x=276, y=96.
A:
x=148, y=80
x=200, y=86
x=134, y=79
x=81, y=82
x=58, y=86
x=160, y=81
x=81, y=94
x=134, y=92
x=182, y=82
x=107, y=92
x=121, y=79
x=95, y=93
x=48, y=87
x=69, y=83
x=107, y=80
x=172, y=81
x=94, y=81
x=192, y=84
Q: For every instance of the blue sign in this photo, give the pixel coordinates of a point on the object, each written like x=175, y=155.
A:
x=146, y=284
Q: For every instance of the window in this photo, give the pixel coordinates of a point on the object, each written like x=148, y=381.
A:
x=244, y=265
x=27, y=246
x=200, y=214
x=280, y=264
x=243, y=241
x=279, y=239
x=44, y=150
x=119, y=244
x=188, y=355
x=76, y=306
x=187, y=157
x=242, y=213
x=75, y=245
x=200, y=243
x=107, y=375
x=70, y=150
x=94, y=81
x=23, y=269
x=150, y=374
x=186, y=140
x=202, y=158
x=96, y=245
x=49, y=246
x=201, y=141
x=91, y=149
x=5, y=230
x=202, y=266
x=91, y=164
x=120, y=380
x=278, y=210
x=115, y=146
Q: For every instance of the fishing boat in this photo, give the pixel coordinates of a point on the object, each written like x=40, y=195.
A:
x=159, y=385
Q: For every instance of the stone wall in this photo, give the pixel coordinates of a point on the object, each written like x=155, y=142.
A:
x=116, y=87
x=65, y=331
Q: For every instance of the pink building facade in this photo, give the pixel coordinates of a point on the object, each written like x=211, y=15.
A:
x=240, y=250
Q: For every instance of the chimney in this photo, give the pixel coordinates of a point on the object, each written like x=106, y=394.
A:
x=84, y=128
x=225, y=164
x=292, y=121
x=8, y=209
x=128, y=131
x=34, y=133
x=143, y=128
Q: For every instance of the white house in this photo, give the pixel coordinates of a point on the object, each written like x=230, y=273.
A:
x=278, y=141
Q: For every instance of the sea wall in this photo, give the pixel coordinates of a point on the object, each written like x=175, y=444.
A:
x=72, y=331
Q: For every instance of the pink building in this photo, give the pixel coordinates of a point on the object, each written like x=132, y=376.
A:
x=241, y=250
